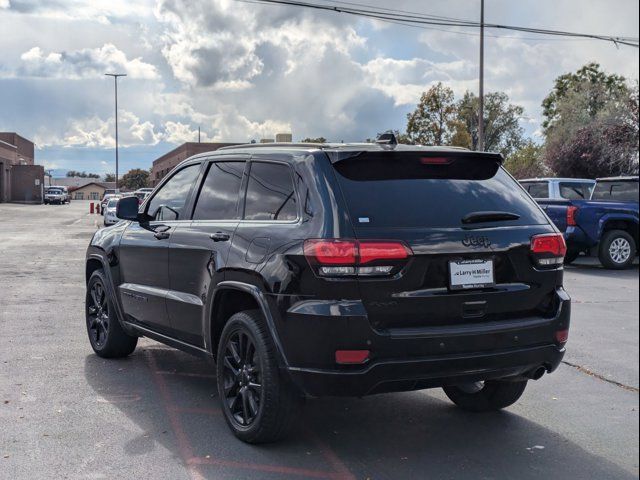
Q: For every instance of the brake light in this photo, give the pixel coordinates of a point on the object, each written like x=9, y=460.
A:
x=562, y=336
x=351, y=357
x=548, y=249
x=435, y=161
x=339, y=257
x=572, y=212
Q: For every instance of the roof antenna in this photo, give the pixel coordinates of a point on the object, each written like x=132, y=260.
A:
x=387, y=140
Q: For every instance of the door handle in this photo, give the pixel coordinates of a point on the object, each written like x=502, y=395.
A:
x=219, y=237
x=162, y=235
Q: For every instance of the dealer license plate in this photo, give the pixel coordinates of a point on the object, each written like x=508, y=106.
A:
x=466, y=274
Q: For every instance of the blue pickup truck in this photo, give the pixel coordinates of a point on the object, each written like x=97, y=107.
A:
x=606, y=225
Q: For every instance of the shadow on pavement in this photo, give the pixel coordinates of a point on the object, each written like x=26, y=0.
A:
x=171, y=397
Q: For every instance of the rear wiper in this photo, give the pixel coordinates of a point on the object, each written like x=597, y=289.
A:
x=478, y=217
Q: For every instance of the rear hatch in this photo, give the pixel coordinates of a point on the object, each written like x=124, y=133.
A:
x=469, y=227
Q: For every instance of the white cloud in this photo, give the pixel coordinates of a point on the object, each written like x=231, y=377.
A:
x=5, y=4
x=83, y=63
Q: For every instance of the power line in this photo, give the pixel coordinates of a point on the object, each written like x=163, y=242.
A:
x=414, y=18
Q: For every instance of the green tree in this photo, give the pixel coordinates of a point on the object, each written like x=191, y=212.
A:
x=135, y=178
x=430, y=122
x=592, y=82
x=527, y=162
x=314, y=140
x=502, y=130
x=110, y=177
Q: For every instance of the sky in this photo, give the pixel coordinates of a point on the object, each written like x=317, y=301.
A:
x=241, y=71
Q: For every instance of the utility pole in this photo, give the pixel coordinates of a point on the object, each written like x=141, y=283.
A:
x=198, y=133
x=115, y=81
x=481, y=96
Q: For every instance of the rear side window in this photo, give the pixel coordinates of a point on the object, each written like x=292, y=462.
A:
x=616, y=191
x=270, y=193
x=168, y=202
x=537, y=189
x=575, y=191
x=218, y=199
x=406, y=190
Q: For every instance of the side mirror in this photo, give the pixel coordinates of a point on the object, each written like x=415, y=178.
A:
x=127, y=208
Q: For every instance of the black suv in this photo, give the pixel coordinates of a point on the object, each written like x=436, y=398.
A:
x=336, y=269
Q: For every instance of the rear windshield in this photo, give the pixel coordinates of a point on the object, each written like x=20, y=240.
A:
x=399, y=189
x=616, y=191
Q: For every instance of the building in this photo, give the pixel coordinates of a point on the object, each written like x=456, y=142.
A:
x=284, y=138
x=20, y=179
x=91, y=191
x=69, y=182
x=166, y=162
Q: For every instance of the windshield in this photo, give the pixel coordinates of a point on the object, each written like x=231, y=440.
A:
x=620, y=191
x=54, y=191
x=112, y=203
x=409, y=190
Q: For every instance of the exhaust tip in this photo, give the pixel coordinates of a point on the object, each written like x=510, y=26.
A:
x=537, y=373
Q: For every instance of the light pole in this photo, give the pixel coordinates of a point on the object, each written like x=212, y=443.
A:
x=481, y=96
x=115, y=81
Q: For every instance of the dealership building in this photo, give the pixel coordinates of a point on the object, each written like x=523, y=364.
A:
x=20, y=179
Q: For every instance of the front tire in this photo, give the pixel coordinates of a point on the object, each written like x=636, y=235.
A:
x=258, y=401
x=487, y=396
x=617, y=250
x=106, y=335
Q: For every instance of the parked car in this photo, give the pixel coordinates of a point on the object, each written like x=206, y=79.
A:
x=110, y=217
x=332, y=269
x=105, y=200
x=55, y=195
x=559, y=188
x=605, y=226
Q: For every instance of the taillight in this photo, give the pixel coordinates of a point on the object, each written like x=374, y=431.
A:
x=548, y=249
x=562, y=336
x=339, y=257
x=352, y=357
x=572, y=213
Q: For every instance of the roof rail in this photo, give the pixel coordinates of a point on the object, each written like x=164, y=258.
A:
x=275, y=144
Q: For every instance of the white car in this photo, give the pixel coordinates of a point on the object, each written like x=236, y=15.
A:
x=110, y=212
x=55, y=195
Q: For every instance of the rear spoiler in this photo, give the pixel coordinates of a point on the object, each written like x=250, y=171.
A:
x=425, y=152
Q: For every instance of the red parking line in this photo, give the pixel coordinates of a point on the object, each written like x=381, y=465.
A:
x=192, y=462
x=267, y=468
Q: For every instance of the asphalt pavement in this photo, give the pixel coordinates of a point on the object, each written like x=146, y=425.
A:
x=67, y=414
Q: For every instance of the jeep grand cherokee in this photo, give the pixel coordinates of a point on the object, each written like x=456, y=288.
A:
x=336, y=269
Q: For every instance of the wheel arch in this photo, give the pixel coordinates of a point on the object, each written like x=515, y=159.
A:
x=626, y=223
x=231, y=297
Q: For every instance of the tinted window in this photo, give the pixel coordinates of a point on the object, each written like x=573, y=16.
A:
x=537, y=189
x=270, y=193
x=218, y=199
x=404, y=190
x=575, y=191
x=173, y=195
x=616, y=191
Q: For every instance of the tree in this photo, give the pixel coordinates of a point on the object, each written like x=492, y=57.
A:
x=135, y=178
x=502, y=130
x=314, y=140
x=590, y=80
x=110, y=177
x=527, y=162
x=430, y=122
x=83, y=174
x=594, y=139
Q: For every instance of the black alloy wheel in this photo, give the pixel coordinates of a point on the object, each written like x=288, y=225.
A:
x=98, y=314
x=243, y=391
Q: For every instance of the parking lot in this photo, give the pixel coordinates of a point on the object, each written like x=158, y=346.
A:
x=66, y=413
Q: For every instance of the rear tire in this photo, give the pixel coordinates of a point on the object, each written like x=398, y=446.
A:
x=617, y=250
x=487, y=396
x=106, y=335
x=258, y=401
x=571, y=256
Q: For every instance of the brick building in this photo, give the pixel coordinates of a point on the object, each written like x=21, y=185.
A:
x=166, y=162
x=20, y=179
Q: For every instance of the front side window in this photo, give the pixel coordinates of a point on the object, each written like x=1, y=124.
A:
x=168, y=203
x=218, y=199
x=270, y=193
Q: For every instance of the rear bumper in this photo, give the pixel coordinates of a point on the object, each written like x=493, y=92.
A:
x=437, y=371
x=414, y=359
